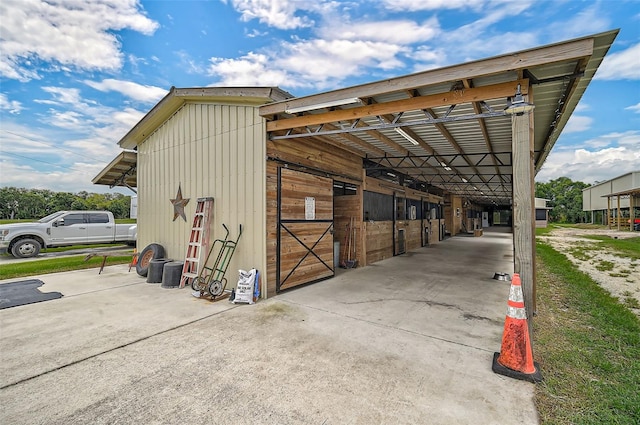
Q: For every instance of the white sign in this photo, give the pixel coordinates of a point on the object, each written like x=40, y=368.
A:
x=309, y=208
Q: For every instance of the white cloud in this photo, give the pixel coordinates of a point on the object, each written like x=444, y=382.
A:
x=13, y=106
x=138, y=92
x=255, y=33
x=63, y=95
x=70, y=34
x=618, y=155
x=578, y=123
x=634, y=108
x=623, y=65
x=251, y=69
x=74, y=178
x=65, y=167
x=316, y=63
x=590, y=20
x=276, y=13
x=393, y=32
x=415, y=5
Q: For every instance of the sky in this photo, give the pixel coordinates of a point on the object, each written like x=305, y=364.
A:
x=77, y=75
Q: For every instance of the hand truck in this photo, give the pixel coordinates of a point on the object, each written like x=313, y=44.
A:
x=212, y=279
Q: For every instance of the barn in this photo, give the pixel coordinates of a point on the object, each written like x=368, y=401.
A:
x=358, y=174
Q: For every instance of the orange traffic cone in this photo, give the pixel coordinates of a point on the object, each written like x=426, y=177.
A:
x=134, y=259
x=515, y=358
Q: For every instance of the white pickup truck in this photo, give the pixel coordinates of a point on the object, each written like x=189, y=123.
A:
x=64, y=228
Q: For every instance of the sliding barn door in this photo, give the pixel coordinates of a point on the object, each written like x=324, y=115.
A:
x=305, y=223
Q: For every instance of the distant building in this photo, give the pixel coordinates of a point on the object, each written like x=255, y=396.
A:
x=614, y=202
x=542, y=212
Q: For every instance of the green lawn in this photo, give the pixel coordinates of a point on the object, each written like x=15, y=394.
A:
x=54, y=265
x=588, y=347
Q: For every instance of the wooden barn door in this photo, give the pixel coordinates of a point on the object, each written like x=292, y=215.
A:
x=305, y=223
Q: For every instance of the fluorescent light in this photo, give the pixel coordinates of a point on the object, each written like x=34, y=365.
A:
x=406, y=136
x=445, y=166
x=328, y=104
x=465, y=180
x=391, y=175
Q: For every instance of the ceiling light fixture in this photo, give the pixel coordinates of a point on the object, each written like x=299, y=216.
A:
x=406, y=136
x=517, y=105
x=328, y=104
x=445, y=166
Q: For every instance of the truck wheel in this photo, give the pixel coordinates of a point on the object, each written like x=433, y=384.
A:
x=25, y=248
x=151, y=252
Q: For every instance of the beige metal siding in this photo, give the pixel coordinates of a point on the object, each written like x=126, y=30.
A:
x=209, y=150
x=595, y=197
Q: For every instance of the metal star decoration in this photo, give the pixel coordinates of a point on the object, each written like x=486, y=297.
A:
x=178, y=205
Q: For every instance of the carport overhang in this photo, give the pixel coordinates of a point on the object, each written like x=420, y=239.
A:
x=457, y=136
x=121, y=171
x=447, y=129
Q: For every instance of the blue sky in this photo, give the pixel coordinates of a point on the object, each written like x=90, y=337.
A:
x=76, y=75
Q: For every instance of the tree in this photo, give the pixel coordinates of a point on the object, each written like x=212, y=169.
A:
x=565, y=199
x=20, y=203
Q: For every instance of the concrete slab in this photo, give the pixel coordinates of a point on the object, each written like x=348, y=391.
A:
x=409, y=340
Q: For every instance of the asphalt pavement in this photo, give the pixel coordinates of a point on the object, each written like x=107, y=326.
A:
x=10, y=259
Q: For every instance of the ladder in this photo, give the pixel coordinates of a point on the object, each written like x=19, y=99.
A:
x=198, y=240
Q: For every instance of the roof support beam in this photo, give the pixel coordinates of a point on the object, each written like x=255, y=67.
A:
x=523, y=209
x=478, y=94
x=575, y=49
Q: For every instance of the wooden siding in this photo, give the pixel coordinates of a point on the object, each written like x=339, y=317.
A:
x=453, y=220
x=209, y=150
x=306, y=243
x=379, y=237
x=413, y=234
x=344, y=209
x=379, y=240
x=319, y=157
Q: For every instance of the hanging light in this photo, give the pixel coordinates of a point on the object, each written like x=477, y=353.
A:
x=517, y=105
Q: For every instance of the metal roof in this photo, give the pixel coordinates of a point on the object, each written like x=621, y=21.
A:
x=121, y=171
x=457, y=137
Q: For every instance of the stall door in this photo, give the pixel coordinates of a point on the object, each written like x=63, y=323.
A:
x=305, y=222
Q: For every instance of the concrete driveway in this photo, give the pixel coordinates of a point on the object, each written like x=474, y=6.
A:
x=409, y=340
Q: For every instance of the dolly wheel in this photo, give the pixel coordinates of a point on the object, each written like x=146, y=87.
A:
x=215, y=288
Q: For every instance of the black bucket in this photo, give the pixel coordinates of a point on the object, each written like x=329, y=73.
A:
x=172, y=274
x=156, y=267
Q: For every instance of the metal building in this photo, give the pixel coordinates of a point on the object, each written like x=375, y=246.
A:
x=384, y=167
x=614, y=202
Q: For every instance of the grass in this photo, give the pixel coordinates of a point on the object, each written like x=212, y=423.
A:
x=55, y=265
x=588, y=347
x=630, y=301
x=628, y=247
x=604, y=266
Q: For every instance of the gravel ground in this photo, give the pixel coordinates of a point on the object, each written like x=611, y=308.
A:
x=621, y=276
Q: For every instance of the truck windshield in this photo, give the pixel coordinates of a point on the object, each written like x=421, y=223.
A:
x=50, y=217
